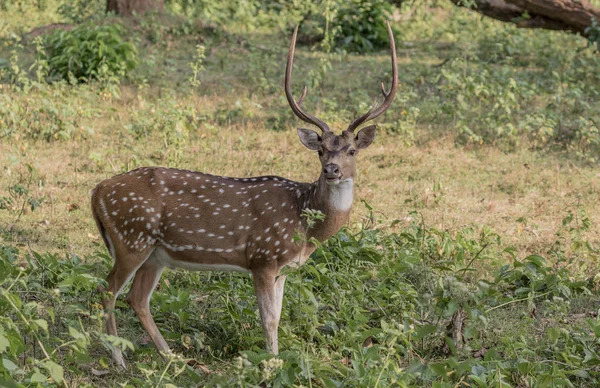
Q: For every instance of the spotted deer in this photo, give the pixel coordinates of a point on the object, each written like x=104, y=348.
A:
x=152, y=217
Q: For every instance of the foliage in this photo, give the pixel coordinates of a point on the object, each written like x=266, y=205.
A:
x=89, y=52
x=197, y=66
x=379, y=305
x=20, y=198
x=593, y=34
x=358, y=25
x=508, y=88
x=79, y=11
x=361, y=25
x=30, y=293
x=49, y=115
x=172, y=120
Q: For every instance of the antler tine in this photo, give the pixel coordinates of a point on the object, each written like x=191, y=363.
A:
x=388, y=96
x=385, y=93
x=301, y=99
x=288, y=91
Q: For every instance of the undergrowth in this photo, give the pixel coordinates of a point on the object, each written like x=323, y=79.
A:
x=510, y=88
x=377, y=306
x=89, y=52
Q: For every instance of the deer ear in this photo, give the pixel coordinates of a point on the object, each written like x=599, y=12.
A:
x=309, y=138
x=365, y=137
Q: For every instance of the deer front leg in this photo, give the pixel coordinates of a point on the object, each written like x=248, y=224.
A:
x=269, y=293
x=144, y=283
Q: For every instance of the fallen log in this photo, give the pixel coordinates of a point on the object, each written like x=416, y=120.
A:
x=567, y=15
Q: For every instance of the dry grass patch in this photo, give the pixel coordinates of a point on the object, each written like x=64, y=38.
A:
x=523, y=196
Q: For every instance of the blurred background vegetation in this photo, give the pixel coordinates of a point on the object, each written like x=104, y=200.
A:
x=492, y=83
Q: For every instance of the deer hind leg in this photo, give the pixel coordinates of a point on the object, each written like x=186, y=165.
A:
x=123, y=269
x=144, y=283
x=269, y=293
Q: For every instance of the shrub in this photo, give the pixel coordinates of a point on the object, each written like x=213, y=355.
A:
x=593, y=34
x=361, y=25
x=90, y=51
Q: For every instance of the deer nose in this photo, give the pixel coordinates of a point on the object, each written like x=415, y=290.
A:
x=332, y=171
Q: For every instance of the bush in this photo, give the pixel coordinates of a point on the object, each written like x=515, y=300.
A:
x=90, y=51
x=361, y=25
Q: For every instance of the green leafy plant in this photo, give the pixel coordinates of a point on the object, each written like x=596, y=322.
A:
x=361, y=25
x=374, y=307
x=593, y=34
x=197, y=66
x=20, y=198
x=90, y=52
x=80, y=10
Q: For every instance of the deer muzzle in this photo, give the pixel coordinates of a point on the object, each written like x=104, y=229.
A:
x=332, y=173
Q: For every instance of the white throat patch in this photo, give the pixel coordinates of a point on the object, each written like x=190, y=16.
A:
x=341, y=195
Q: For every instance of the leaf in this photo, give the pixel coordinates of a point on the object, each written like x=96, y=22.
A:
x=9, y=365
x=424, y=331
x=41, y=323
x=118, y=342
x=553, y=333
x=56, y=371
x=358, y=368
x=522, y=290
x=76, y=334
x=481, y=381
x=4, y=342
x=596, y=328
x=9, y=383
x=512, y=251
x=256, y=358
x=37, y=377
x=438, y=369
x=580, y=373
x=492, y=355
x=330, y=383
x=539, y=261
x=451, y=308
x=478, y=370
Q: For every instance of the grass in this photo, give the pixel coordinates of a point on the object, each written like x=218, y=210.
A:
x=376, y=304
x=451, y=188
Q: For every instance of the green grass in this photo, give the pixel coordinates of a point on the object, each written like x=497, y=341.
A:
x=486, y=162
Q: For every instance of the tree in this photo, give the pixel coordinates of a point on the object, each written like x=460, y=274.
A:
x=128, y=7
x=568, y=15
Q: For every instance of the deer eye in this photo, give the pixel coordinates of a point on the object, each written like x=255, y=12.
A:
x=320, y=152
x=352, y=152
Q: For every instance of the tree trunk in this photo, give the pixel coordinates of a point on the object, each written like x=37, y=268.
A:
x=569, y=15
x=128, y=7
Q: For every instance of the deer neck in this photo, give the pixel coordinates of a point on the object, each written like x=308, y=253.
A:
x=335, y=201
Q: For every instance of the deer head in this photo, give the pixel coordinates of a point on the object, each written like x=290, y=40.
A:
x=337, y=153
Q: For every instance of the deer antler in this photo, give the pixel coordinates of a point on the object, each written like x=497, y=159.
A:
x=388, y=97
x=288, y=91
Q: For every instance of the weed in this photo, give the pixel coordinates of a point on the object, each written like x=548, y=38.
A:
x=20, y=198
x=197, y=66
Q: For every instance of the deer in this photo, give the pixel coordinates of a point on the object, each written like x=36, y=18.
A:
x=153, y=217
